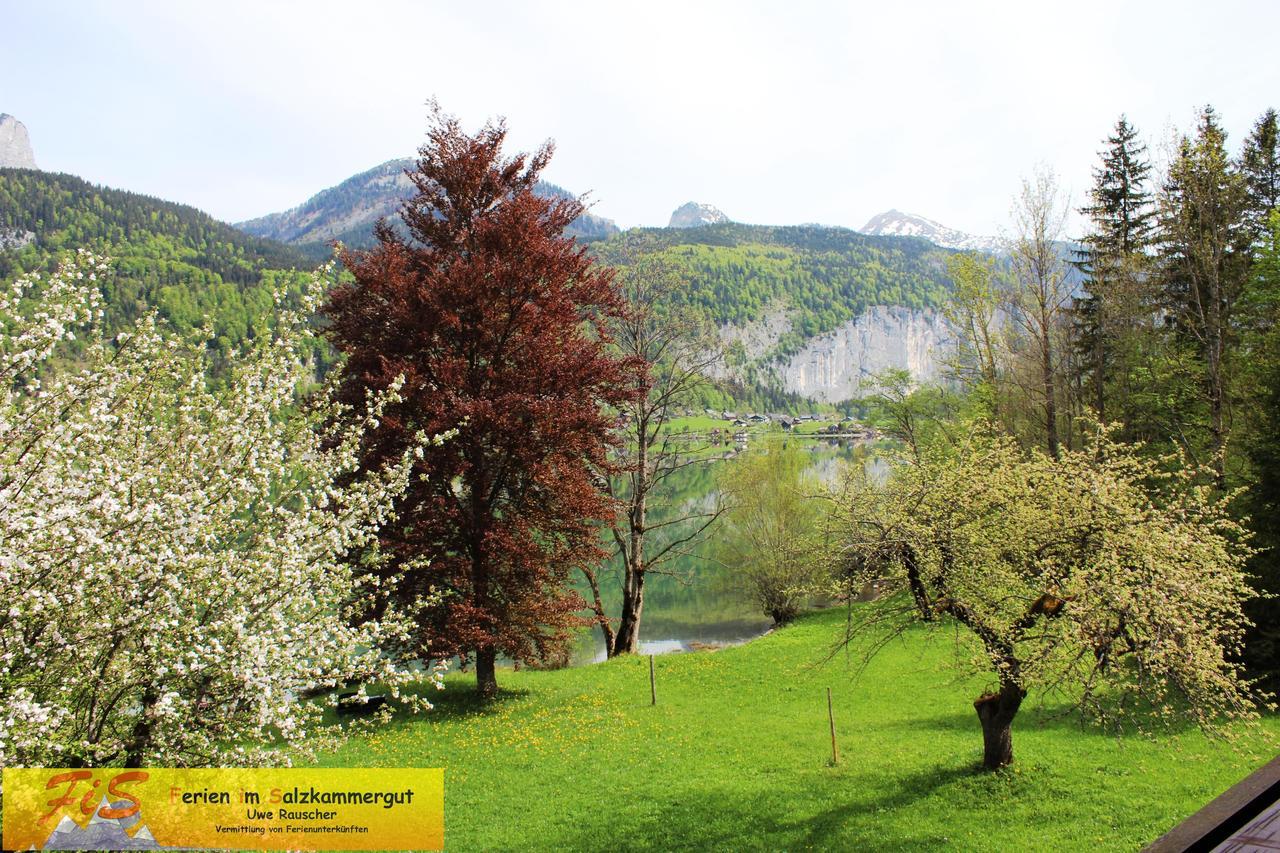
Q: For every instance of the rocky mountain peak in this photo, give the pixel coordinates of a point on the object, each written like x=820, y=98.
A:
x=895, y=223
x=15, y=145
x=694, y=215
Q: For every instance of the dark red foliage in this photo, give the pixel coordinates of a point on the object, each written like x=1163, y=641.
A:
x=496, y=321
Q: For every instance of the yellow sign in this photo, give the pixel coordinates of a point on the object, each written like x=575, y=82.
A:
x=232, y=809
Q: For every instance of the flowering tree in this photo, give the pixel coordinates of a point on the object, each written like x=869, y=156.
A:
x=171, y=543
x=1109, y=580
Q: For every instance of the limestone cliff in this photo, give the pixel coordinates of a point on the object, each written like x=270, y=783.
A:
x=15, y=145
x=835, y=366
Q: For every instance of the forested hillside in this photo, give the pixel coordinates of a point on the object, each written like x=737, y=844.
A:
x=167, y=255
x=189, y=265
x=823, y=277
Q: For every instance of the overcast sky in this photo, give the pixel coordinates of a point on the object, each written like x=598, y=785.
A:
x=775, y=112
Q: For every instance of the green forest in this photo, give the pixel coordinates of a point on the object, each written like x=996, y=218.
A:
x=193, y=269
x=823, y=277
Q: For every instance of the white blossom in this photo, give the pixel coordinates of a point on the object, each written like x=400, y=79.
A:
x=172, y=540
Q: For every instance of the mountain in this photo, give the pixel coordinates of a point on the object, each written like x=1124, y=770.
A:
x=167, y=256
x=15, y=145
x=694, y=215
x=808, y=310
x=348, y=211
x=895, y=223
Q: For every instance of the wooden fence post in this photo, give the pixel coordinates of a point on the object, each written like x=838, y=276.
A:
x=831, y=717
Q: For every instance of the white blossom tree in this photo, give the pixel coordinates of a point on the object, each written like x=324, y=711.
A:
x=172, y=542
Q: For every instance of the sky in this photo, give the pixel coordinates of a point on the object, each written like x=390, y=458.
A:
x=777, y=113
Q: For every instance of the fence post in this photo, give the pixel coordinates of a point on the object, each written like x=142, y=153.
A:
x=831, y=717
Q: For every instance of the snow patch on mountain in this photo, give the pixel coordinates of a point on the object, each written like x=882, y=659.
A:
x=895, y=223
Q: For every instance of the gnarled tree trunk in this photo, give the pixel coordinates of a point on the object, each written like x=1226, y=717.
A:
x=996, y=712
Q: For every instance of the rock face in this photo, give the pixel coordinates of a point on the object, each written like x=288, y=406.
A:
x=15, y=238
x=836, y=366
x=833, y=367
x=15, y=145
x=895, y=223
x=694, y=215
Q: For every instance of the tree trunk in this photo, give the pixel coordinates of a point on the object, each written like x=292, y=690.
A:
x=1050, y=394
x=597, y=606
x=140, y=738
x=1099, y=373
x=1217, y=423
x=627, y=640
x=486, y=677
x=996, y=712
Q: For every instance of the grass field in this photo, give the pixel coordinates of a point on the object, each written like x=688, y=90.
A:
x=736, y=756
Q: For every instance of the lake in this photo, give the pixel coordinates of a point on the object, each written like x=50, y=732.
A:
x=698, y=603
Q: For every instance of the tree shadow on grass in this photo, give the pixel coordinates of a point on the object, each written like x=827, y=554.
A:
x=1037, y=718
x=700, y=819
x=450, y=704
x=454, y=702
x=904, y=792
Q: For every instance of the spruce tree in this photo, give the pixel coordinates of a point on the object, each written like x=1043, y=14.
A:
x=1121, y=218
x=1261, y=168
x=1205, y=256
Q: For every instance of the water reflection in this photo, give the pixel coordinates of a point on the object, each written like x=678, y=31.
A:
x=697, y=605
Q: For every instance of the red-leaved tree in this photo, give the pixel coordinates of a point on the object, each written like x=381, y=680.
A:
x=497, y=322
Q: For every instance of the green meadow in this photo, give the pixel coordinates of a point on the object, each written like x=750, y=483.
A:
x=736, y=755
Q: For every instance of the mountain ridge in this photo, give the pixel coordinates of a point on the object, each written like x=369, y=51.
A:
x=347, y=211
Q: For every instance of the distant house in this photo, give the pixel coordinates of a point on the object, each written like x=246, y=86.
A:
x=739, y=422
x=787, y=422
x=758, y=419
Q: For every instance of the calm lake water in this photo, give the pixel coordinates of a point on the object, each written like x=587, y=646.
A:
x=700, y=605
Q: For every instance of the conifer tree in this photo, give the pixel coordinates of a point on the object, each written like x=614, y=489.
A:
x=1262, y=373
x=1121, y=218
x=1205, y=266
x=1260, y=164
